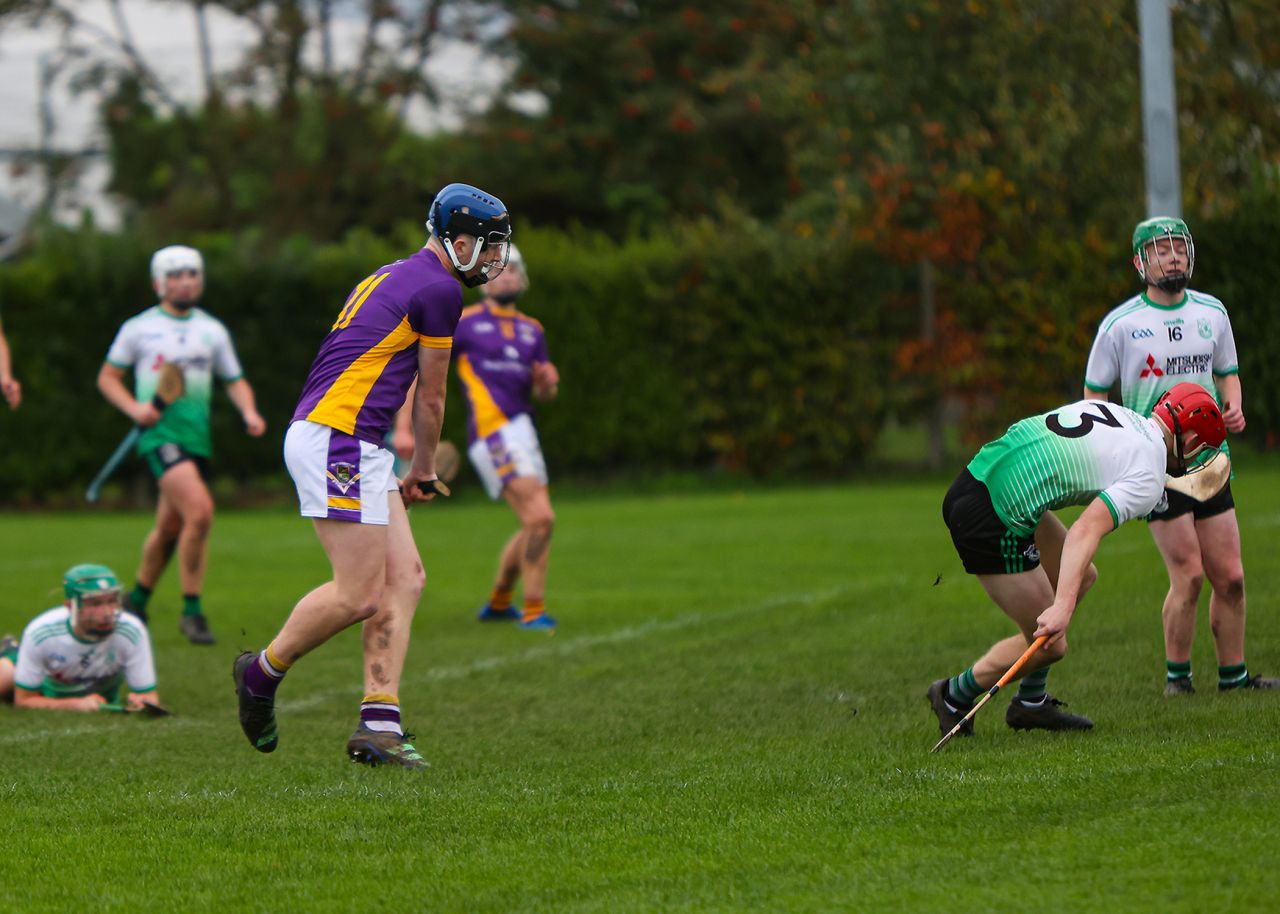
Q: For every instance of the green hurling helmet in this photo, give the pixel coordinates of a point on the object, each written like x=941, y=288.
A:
x=1158, y=229
x=84, y=580
x=89, y=581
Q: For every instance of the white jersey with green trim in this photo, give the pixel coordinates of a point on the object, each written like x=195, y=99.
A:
x=56, y=663
x=200, y=344
x=1070, y=456
x=1149, y=348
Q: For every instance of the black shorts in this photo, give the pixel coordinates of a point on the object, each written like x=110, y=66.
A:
x=1180, y=504
x=985, y=544
x=169, y=455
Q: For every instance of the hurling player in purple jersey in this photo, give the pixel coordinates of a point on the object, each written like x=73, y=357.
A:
x=502, y=361
x=396, y=326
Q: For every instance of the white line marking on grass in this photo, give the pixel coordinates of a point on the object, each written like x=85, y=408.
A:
x=564, y=648
x=89, y=729
x=573, y=646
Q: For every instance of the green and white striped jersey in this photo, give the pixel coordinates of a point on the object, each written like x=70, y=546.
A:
x=54, y=662
x=1149, y=348
x=1070, y=456
x=200, y=344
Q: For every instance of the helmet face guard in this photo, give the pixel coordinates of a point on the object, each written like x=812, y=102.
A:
x=460, y=209
x=1188, y=407
x=1148, y=236
x=85, y=581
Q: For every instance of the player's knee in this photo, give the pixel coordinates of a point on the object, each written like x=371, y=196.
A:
x=1230, y=587
x=360, y=610
x=1186, y=576
x=410, y=582
x=199, y=520
x=1056, y=651
x=359, y=604
x=541, y=522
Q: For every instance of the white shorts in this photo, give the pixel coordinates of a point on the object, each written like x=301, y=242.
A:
x=513, y=450
x=337, y=475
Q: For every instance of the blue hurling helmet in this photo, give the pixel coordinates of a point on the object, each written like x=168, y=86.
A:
x=460, y=209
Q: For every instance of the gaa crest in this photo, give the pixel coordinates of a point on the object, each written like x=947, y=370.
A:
x=1205, y=328
x=343, y=475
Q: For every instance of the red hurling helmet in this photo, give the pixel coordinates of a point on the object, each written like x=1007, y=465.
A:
x=1188, y=407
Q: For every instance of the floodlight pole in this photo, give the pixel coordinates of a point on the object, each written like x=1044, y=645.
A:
x=1159, y=111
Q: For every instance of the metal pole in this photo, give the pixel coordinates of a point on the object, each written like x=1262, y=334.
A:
x=1159, y=110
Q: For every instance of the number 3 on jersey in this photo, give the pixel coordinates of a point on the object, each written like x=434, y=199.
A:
x=1087, y=422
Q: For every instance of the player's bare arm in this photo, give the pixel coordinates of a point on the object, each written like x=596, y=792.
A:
x=1232, y=402
x=402, y=431
x=428, y=418
x=241, y=395
x=10, y=389
x=25, y=698
x=111, y=384
x=1077, y=554
x=546, y=381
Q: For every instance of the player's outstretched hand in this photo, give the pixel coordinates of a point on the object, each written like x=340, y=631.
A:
x=254, y=424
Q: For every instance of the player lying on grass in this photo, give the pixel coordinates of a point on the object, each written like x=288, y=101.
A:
x=80, y=656
x=1000, y=514
x=396, y=326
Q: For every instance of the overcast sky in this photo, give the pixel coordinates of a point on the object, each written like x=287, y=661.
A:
x=165, y=34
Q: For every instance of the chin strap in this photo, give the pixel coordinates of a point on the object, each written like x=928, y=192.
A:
x=1177, y=441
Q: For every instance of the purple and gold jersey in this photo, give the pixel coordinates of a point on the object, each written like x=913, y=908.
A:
x=361, y=375
x=495, y=350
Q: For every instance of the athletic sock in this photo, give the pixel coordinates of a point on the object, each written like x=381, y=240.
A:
x=962, y=690
x=263, y=678
x=1031, y=689
x=1177, y=669
x=139, y=596
x=381, y=711
x=1234, y=676
x=533, y=609
x=191, y=604
x=500, y=599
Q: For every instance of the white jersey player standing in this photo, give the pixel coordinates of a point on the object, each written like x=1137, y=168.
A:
x=177, y=444
x=1166, y=335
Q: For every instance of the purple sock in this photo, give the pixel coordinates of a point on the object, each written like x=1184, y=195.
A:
x=261, y=678
x=380, y=712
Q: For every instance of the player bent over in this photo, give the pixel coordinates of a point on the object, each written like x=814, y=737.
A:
x=1000, y=514
x=397, y=325
x=79, y=656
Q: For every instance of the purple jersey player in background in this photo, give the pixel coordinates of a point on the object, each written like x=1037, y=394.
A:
x=396, y=326
x=502, y=361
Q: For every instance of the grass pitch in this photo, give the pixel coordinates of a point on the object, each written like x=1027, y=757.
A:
x=731, y=718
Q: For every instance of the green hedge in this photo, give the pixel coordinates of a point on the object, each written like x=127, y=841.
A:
x=697, y=349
